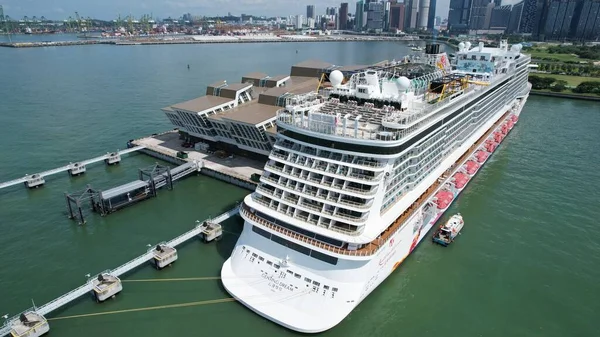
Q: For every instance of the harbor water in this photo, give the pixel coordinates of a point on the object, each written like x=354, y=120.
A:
x=525, y=265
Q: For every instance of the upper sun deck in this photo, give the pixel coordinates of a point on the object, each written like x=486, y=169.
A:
x=376, y=106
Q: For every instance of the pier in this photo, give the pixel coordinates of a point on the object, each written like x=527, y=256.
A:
x=111, y=200
x=88, y=287
x=37, y=179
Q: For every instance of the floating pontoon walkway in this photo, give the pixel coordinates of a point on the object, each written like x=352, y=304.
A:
x=109, y=158
x=138, y=261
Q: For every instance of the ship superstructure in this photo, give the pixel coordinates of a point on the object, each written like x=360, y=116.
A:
x=358, y=175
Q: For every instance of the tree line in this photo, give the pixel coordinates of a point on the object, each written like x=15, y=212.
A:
x=544, y=83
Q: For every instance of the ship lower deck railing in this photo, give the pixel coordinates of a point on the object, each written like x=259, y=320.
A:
x=373, y=246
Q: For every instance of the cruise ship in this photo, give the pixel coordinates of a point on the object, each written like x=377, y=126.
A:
x=358, y=174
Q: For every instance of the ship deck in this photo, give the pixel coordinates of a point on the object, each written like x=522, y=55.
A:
x=373, y=246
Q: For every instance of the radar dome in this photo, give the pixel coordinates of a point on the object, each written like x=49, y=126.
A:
x=336, y=77
x=516, y=47
x=403, y=83
x=461, y=46
x=468, y=45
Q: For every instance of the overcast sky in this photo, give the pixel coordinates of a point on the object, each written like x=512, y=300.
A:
x=110, y=9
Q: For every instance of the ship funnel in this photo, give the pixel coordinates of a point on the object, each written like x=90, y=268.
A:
x=432, y=48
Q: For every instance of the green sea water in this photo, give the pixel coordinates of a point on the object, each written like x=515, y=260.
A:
x=526, y=265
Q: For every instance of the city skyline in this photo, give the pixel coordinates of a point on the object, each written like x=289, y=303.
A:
x=110, y=9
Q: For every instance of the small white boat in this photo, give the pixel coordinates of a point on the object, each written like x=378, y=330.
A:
x=417, y=48
x=447, y=232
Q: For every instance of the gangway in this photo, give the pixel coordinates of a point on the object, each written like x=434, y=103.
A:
x=123, y=269
x=71, y=166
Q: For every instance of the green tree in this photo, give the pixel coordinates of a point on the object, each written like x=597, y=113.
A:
x=540, y=83
x=559, y=86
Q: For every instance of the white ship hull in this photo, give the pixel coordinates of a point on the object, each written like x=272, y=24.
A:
x=288, y=295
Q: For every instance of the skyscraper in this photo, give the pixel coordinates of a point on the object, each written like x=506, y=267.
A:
x=414, y=9
x=532, y=17
x=431, y=18
x=479, y=9
x=310, y=11
x=358, y=16
x=459, y=15
x=559, y=18
x=500, y=17
x=587, y=20
x=397, y=14
x=515, y=18
x=343, y=16
x=375, y=16
x=423, y=14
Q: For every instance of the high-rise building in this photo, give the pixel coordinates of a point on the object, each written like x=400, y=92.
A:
x=397, y=14
x=375, y=16
x=587, y=20
x=558, y=19
x=310, y=11
x=515, y=18
x=532, y=17
x=423, y=14
x=386, y=15
x=358, y=16
x=331, y=11
x=413, y=10
x=298, y=21
x=479, y=10
x=1, y=14
x=459, y=15
x=431, y=19
x=500, y=17
x=343, y=17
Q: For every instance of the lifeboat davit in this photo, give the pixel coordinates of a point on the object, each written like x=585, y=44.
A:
x=460, y=180
x=490, y=147
x=443, y=199
x=471, y=167
x=481, y=156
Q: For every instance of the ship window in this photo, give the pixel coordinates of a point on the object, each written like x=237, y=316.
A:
x=316, y=283
x=335, y=289
x=269, y=263
x=326, y=287
x=296, y=275
x=276, y=266
x=260, y=258
x=289, y=271
x=306, y=279
x=254, y=255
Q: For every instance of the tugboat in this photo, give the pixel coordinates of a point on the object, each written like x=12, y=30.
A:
x=446, y=234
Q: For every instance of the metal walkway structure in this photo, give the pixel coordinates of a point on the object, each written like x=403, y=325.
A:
x=70, y=166
x=126, y=267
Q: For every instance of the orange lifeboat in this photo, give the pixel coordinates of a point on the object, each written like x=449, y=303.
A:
x=471, y=167
x=443, y=199
x=481, y=156
x=460, y=180
x=497, y=137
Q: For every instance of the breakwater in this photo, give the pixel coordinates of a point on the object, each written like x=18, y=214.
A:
x=201, y=39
